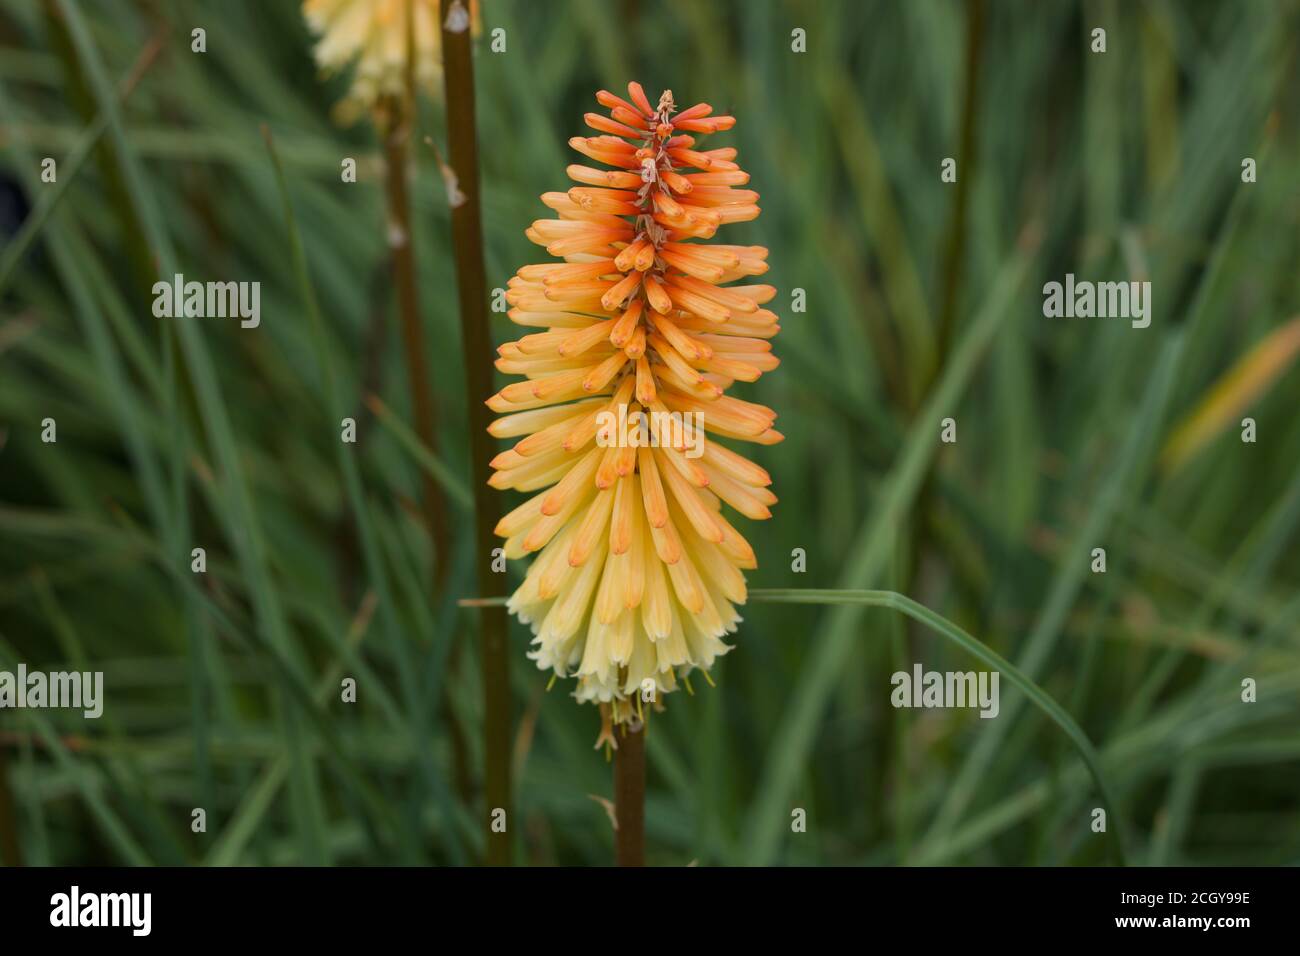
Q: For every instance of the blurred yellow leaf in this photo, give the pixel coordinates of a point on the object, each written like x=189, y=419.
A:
x=1249, y=378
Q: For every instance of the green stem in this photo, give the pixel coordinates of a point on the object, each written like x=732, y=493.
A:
x=954, y=253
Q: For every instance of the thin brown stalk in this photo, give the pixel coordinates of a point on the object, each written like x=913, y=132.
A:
x=433, y=505
x=629, y=796
x=471, y=283
x=10, y=850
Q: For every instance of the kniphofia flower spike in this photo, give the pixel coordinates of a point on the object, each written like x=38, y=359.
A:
x=638, y=570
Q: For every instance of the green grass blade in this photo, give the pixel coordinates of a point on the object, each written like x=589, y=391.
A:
x=418, y=450
x=245, y=534
x=945, y=628
x=1127, y=472
x=870, y=554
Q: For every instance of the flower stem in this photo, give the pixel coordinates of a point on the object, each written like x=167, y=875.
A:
x=396, y=138
x=629, y=795
x=396, y=131
x=10, y=850
x=471, y=282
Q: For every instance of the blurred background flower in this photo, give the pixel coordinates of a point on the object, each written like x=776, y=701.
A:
x=368, y=40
